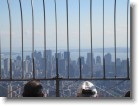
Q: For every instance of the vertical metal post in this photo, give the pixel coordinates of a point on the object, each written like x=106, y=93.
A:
x=131, y=39
x=56, y=26
x=127, y=42
x=79, y=45
x=103, y=45
x=22, y=38
x=33, y=39
x=10, y=23
x=57, y=75
x=57, y=79
x=115, y=34
x=67, y=33
x=44, y=37
x=91, y=38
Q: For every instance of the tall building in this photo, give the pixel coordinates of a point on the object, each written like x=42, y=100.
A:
x=37, y=55
x=49, y=63
x=82, y=61
x=49, y=67
x=98, y=60
x=14, y=65
x=88, y=60
x=108, y=59
x=59, y=56
x=26, y=66
x=109, y=65
x=6, y=65
x=18, y=58
x=124, y=66
x=18, y=63
x=48, y=55
x=118, y=67
x=62, y=67
x=66, y=54
x=118, y=61
x=28, y=58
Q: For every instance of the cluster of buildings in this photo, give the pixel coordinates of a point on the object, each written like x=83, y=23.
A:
x=66, y=67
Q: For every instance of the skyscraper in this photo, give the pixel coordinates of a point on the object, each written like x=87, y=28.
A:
x=88, y=60
x=26, y=66
x=62, y=67
x=59, y=56
x=108, y=59
x=48, y=55
x=66, y=54
x=18, y=62
x=6, y=65
x=98, y=60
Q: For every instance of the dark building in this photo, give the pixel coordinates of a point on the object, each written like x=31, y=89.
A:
x=124, y=68
x=48, y=55
x=118, y=67
x=37, y=55
x=6, y=65
x=82, y=61
x=66, y=54
x=88, y=60
x=28, y=58
x=59, y=56
x=18, y=58
x=62, y=68
x=108, y=59
x=98, y=60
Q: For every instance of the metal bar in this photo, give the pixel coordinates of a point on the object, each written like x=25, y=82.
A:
x=44, y=36
x=127, y=42
x=115, y=34
x=56, y=27
x=80, y=44
x=56, y=38
x=22, y=39
x=10, y=23
x=80, y=63
x=103, y=45
x=57, y=75
x=67, y=34
x=131, y=11
x=65, y=79
x=57, y=80
x=33, y=39
x=91, y=38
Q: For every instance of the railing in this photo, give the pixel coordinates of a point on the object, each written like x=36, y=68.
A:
x=57, y=78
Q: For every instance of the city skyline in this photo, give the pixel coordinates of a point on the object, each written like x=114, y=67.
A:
x=62, y=59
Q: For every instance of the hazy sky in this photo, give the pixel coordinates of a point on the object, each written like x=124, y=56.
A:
x=97, y=22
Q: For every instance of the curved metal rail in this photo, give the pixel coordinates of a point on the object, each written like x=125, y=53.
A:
x=22, y=39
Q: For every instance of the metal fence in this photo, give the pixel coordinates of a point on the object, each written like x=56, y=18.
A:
x=57, y=78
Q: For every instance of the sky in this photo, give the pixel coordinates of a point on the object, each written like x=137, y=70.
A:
x=97, y=24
